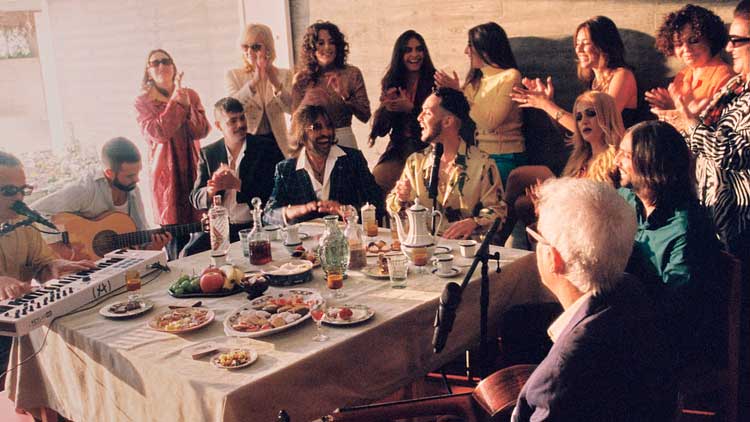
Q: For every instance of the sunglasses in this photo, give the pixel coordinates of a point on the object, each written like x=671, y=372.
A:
x=590, y=112
x=10, y=190
x=254, y=47
x=155, y=63
x=738, y=40
x=317, y=127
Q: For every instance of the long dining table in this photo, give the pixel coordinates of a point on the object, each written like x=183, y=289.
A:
x=93, y=369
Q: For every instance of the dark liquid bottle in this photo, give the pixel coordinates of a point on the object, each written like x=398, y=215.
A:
x=258, y=242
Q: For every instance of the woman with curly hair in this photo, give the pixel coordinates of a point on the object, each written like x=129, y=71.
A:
x=696, y=36
x=407, y=83
x=601, y=65
x=323, y=78
x=173, y=121
x=263, y=89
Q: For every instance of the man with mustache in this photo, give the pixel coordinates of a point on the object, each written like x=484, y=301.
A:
x=238, y=167
x=99, y=192
x=321, y=176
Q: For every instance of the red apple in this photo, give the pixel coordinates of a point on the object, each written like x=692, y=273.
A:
x=212, y=281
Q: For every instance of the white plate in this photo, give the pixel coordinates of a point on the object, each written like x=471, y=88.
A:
x=287, y=267
x=454, y=272
x=360, y=313
x=209, y=316
x=374, y=272
x=307, y=295
x=253, y=356
x=146, y=305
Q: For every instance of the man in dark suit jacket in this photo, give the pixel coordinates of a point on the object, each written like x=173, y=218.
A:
x=239, y=167
x=610, y=360
x=322, y=177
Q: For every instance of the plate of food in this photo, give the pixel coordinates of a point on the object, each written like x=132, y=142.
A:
x=300, y=252
x=378, y=247
x=125, y=309
x=234, y=358
x=271, y=313
x=181, y=320
x=347, y=314
x=380, y=269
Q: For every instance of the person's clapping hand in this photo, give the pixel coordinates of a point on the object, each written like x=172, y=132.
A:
x=316, y=96
x=659, y=98
x=534, y=93
x=180, y=94
x=331, y=207
x=443, y=80
x=224, y=178
x=401, y=103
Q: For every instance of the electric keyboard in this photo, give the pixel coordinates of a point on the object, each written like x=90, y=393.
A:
x=58, y=297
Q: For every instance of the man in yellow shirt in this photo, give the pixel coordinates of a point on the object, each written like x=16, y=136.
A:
x=468, y=180
x=23, y=254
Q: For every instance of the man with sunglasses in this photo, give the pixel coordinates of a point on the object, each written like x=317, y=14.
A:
x=675, y=249
x=23, y=253
x=238, y=167
x=322, y=176
x=468, y=179
x=115, y=188
x=609, y=360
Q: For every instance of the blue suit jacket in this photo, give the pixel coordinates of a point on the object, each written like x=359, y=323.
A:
x=610, y=363
x=351, y=184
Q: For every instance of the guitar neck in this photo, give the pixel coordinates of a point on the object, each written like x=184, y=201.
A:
x=144, y=236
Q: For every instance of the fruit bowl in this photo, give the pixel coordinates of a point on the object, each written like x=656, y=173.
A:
x=254, y=284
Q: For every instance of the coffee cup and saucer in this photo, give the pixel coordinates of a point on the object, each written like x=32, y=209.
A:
x=443, y=266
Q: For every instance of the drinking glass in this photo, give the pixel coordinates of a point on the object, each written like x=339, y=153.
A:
x=318, y=312
x=244, y=233
x=133, y=285
x=334, y=282
x=397, y=271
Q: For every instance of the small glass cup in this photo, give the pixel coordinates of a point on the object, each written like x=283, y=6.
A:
x=397, y=271
x=334, y=282
x=318, y=312
x=133, y=285
x=244, y=242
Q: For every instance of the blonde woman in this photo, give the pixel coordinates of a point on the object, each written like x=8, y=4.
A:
x=263, y=89
x=597, y=133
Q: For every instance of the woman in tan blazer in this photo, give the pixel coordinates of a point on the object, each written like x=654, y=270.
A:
x=262, y=88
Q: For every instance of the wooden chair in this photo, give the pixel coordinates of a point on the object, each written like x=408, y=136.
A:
x=492, y=400
x=699, y=381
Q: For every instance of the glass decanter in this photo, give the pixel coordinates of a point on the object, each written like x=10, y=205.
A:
x=333, y=250
x=258, y=242
x=355, y=237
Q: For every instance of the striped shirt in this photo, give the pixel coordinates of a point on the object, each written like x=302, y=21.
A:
x=722, y=149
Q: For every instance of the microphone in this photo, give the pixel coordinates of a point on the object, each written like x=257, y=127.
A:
x=438, y=154
x=446, y=313
x=21, y=208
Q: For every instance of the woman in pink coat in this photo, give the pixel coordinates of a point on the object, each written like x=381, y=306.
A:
x=173, y=121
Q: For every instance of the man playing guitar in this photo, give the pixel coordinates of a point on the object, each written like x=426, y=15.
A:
x=96, y=193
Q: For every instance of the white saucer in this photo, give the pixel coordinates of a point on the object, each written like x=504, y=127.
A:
x=454, y=272
x=442, y=249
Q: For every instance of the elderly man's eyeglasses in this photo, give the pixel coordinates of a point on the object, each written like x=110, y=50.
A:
x=155, y=63
x=537, y=236
x=10, y=190
x=735, y=41
x=254, y=47
x=589, y=112
x=317, y=127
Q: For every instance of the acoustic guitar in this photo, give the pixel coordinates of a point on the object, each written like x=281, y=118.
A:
x=492, y=400
x=92, y=238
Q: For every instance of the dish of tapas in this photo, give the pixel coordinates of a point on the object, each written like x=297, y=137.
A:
x=234, y=359
x=347, y=314
x=181, y=320
x=125, y=309
x=271, y=313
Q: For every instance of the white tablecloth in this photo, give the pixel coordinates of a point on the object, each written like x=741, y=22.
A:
x=92, y=369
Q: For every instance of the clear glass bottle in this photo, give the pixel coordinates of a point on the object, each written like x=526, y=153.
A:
x=218, y=218
x=258, y=242
x=333, y=250
x=355, y=238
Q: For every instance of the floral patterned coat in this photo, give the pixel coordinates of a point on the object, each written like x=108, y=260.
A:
x=172, y=132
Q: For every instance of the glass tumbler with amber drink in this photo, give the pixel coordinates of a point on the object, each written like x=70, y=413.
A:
x=133, y=285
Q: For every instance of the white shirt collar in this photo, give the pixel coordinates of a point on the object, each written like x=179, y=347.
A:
x=239, y=156
x=556, y=328
x=323, y=190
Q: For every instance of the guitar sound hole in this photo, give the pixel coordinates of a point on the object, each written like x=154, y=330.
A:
x=102, y=243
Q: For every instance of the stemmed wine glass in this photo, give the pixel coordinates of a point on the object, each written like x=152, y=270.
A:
x=318, y=312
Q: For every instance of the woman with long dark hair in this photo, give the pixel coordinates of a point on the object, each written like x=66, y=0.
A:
x=173, y=121
x=601, y=66
x=323, y=78
x=407, y=83
x=492, y=75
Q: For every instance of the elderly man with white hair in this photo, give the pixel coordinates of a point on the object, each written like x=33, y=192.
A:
x=609, y=361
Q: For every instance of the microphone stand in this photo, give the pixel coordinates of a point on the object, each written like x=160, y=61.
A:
x=483, y=256
x=7, y=228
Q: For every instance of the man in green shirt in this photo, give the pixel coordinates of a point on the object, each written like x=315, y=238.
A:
x=676, y=247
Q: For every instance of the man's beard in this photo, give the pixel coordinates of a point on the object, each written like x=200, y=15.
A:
x=323, y=149
x=124, y=188
x=437, y=130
